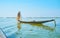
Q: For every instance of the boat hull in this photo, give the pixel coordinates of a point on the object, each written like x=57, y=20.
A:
x=36, y=21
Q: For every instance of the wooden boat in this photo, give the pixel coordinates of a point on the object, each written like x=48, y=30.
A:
x=19, y=19
x=36, y=21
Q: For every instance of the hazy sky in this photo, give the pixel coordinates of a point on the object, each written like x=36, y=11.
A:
x=30, y=8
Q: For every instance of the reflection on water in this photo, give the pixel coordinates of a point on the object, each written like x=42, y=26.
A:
x=18, y=25
x=38, y=25
x=44, y=27
x=19, y=33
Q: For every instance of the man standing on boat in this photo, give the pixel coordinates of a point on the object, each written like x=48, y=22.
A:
x=18, y=16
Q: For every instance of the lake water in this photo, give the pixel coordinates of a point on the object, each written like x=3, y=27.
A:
x=14, y=29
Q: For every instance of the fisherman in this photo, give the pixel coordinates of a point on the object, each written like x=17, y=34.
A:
x=18, y=16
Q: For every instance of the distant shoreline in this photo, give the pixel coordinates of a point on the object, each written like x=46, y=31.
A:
x=31, y=17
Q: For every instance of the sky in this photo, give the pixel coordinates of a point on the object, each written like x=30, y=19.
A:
x=30, y=8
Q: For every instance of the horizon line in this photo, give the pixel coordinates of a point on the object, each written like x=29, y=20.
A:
x=42, y=17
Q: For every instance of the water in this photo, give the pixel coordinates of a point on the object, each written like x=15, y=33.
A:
x=13, y=29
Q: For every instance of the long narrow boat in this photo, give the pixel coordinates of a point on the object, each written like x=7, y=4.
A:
x=19, y=19
x=36, y=21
